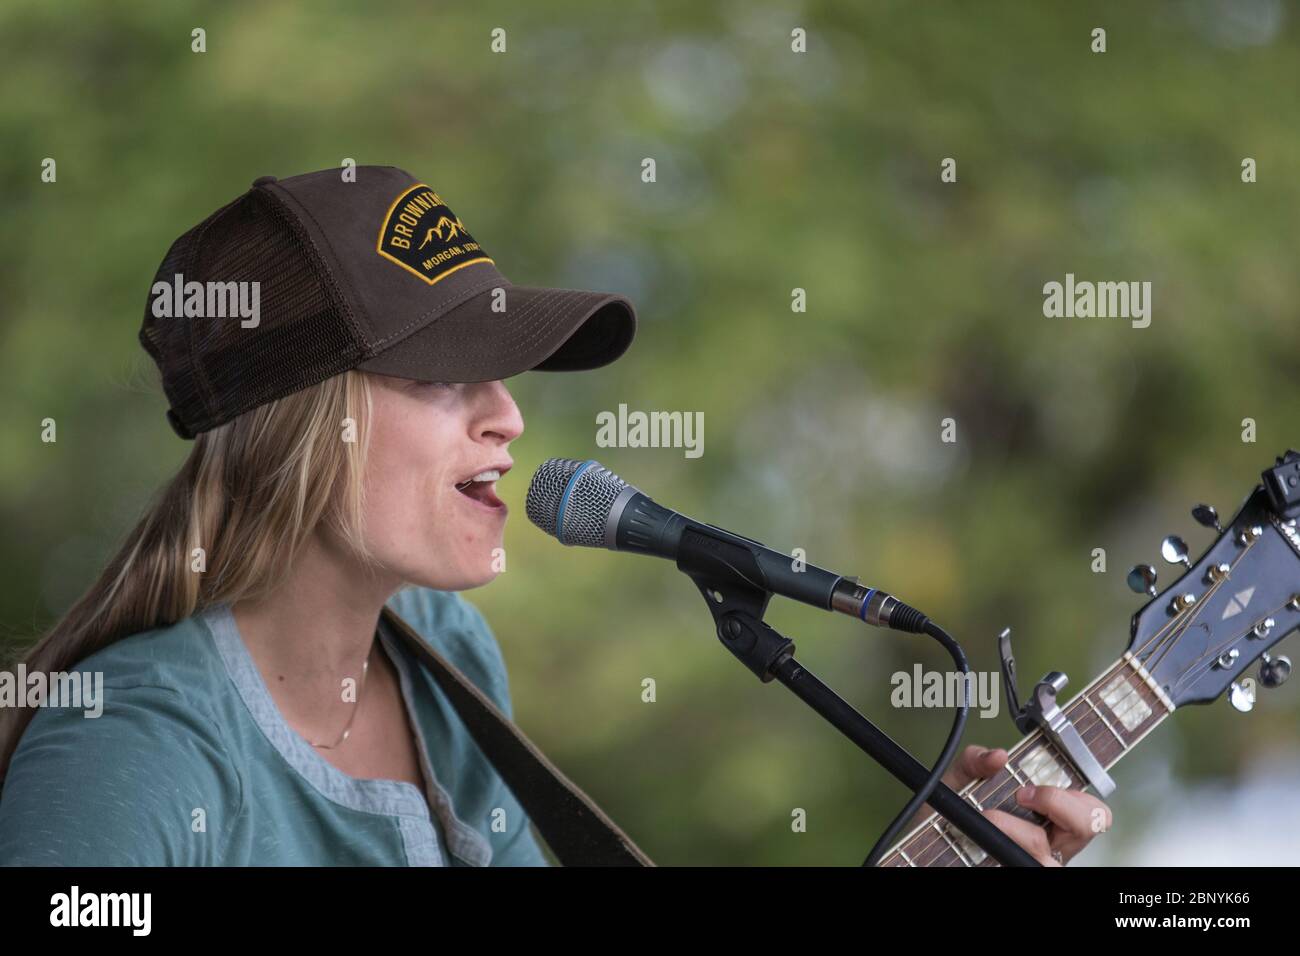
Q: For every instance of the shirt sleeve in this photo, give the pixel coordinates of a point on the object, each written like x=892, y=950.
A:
x=147, y=782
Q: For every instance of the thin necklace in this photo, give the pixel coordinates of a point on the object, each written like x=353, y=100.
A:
x=365, y=667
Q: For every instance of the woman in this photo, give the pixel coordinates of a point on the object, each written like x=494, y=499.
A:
x=336, y=348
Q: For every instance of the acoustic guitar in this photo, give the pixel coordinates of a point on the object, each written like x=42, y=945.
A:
x=1189, y=644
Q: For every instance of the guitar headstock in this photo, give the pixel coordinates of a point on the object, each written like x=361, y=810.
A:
x=1200, y=635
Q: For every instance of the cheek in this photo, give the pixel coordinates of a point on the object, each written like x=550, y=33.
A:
x=401, y=502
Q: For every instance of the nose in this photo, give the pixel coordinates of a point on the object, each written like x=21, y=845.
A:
x=500, y=417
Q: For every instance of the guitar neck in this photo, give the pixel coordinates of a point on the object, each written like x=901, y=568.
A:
x=1112, y=714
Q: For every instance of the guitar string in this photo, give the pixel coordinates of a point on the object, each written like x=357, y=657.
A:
x=1033, y=741
x=1210, y=657
x=1155, y=662
x=996, y=799
x=1203, y=663
x=1038, y=738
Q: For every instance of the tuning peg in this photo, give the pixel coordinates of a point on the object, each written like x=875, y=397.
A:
x=1207, y=516
x=1142, y=579
x=1273, y=672
x=1242, y=696
x=1174, y=550
x=1263, y=628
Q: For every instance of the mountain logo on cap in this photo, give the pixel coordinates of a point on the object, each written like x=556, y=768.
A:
x=453, y=228
x=425, y=238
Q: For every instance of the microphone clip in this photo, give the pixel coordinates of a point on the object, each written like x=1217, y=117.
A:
x=727, y=575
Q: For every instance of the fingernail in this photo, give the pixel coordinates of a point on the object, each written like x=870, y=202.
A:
x=986, y=753
x=1026, y=793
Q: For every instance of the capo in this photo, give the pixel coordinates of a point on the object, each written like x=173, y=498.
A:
x=1042, y=711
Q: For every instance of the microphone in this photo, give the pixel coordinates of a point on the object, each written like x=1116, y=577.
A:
x=583, y=503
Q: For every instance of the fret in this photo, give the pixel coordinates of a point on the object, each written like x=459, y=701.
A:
x=897, y=858
x=1132, y=705
x=1148, y=681
x=999, y=788
x=1151, y=725
x=931, y=848
x=1111, y=715
x=1044, y=765
x=1102, y=736
x=1124, y=698
x=956, y=849
x=1109, y=725
x=930, y=844
x=969, y=849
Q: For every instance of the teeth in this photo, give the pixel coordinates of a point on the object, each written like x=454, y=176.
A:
x=491, y=475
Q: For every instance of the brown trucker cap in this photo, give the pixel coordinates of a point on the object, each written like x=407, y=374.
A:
x=303, y=278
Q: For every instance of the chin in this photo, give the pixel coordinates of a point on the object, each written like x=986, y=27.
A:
x=455, y=579
x=474, y=579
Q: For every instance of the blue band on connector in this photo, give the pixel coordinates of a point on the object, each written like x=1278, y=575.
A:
x=865, y=601
x=564, y=499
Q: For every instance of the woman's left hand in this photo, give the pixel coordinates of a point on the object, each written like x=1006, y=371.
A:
x=1073, y=817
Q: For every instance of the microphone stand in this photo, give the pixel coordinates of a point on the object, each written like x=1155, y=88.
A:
x=738, y=605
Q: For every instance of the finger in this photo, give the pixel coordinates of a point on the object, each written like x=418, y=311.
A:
x=1079, y=814
x=1076, y=816
x=1071, y=844
x=1032, y=838
x=961, y=771
x=975, y=763
x=988, y=762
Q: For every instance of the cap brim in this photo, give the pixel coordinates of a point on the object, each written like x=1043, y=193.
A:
x=552, y=330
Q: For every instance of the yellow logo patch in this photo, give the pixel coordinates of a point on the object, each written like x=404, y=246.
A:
x=425, y=238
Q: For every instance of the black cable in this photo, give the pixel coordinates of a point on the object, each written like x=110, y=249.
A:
x=949, y=749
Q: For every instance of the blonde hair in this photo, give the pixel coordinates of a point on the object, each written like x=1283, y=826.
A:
x=250, y=494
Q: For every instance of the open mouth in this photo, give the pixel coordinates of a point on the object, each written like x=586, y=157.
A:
x=481, y=488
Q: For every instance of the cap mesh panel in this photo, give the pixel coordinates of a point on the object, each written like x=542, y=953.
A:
x=213, y=367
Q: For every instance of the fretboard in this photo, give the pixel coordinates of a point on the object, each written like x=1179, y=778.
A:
x=1112, y=715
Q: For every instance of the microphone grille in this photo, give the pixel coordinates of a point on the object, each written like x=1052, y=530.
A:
x=571, y=500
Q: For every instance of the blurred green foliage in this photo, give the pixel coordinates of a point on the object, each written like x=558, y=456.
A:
x=774, y=171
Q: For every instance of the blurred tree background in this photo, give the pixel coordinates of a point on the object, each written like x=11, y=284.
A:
x=775, y=171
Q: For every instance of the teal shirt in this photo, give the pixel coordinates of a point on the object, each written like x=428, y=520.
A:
x=191, y=763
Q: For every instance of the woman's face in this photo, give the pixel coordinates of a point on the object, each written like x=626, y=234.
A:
x=426, y=440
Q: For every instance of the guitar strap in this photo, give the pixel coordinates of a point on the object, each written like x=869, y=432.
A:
x=577, y=831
